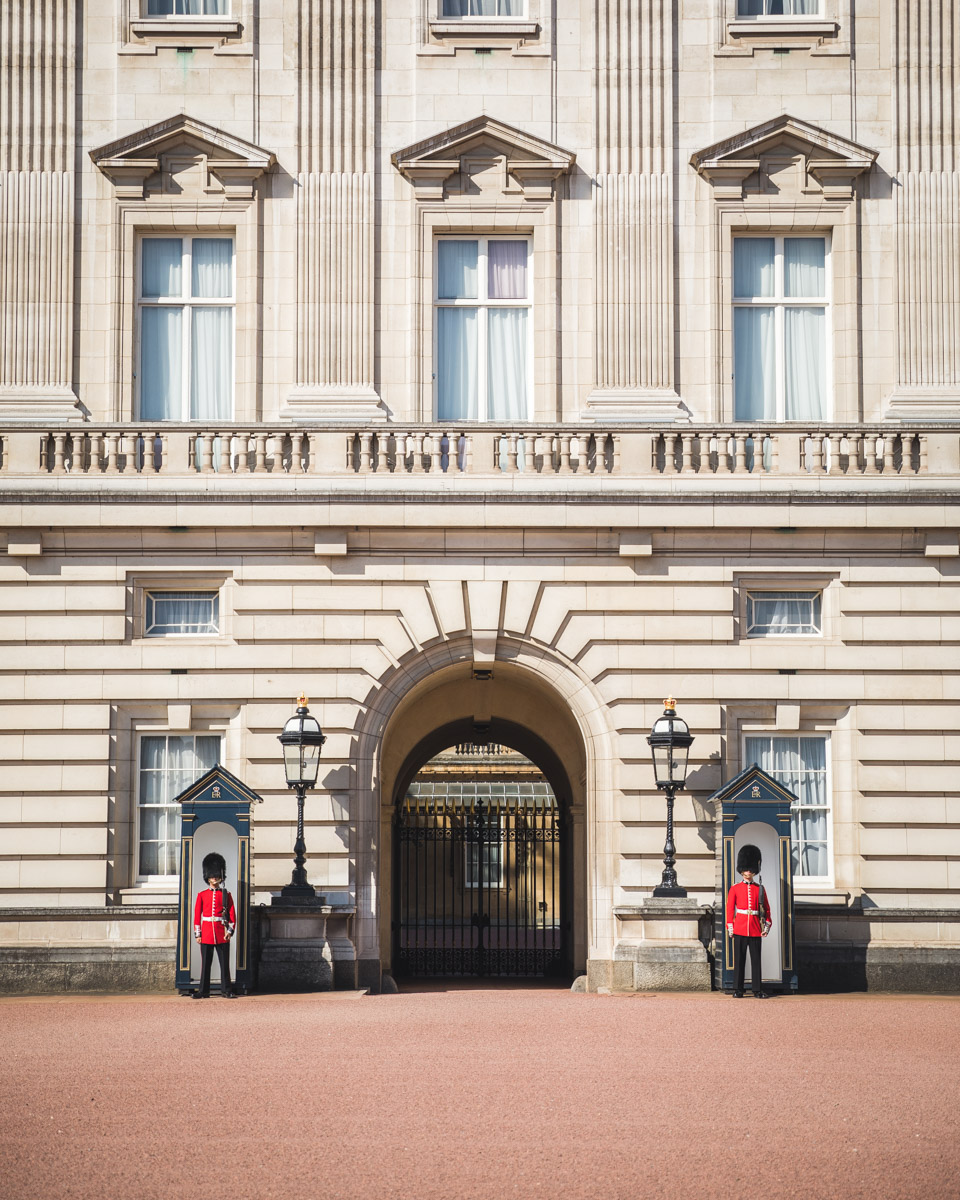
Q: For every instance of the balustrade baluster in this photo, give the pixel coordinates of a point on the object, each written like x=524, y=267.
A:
x=669, y=454
x=740, y=452
x=366, y=452
x=723, y=454
x=59, y=452
x=565, y=468
x=206, y=453
x=416, y=440
x=260, y=454
x=922, y=464
x=888, y=456
x=870, y=454
x=615, y=456
x=242, y=451
x=686, y=453
x=466, y=451
x=772, y=441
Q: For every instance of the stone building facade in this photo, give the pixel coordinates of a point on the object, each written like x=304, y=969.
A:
x=494, y=366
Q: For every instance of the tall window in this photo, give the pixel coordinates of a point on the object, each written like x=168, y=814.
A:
x=168, y=763
x=459, y=9
x=187, y=8
x=484, y=861
x=186, y=305
x=780, y=328
x=483, y=329
x=778, y=8
x=800, y=764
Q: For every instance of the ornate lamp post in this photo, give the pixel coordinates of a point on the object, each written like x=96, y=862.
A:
x=301, y=740
x=669, y=742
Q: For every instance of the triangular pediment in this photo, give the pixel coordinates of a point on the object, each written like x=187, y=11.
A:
x=150, y=159
x=781, y=154
x=483, y=154
x=217, y=786
x=753, y=786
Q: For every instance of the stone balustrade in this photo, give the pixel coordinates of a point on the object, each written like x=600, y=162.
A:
x=707, y=451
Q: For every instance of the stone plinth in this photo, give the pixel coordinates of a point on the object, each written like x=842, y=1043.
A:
x=660, y=948
x=307, y=948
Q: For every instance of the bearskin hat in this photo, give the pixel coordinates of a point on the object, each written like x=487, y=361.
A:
x=747, y=860
x=214, y=864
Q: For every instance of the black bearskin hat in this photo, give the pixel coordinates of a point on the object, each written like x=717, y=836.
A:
x=747, y=860
x=215, y=864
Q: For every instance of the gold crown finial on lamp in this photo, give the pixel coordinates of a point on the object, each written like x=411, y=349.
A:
x=302, y=700
x=670, y=702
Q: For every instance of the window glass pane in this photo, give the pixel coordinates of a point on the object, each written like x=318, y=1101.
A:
x=187, y=8
x=212, y=267
x=507, y=364
x=753, y=267
x=456, y=363
x=182, y=612
x=805, y=369
x=211, y=362
x=804, y=267
x=457, y=264
x=754, y=350
x=749, y=8
x=458, y=9
x=778, y=613
x=160, y=363
x=507, y=270
x=208, y=752
x=161, y=267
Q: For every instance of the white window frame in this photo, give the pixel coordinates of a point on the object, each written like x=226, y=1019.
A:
x=483, y=304
x=803, y=881
x=768, y=16
x=187, y=303
x=146, y=15
x=141, y=879
x=765, y=631
x=149, y=603
x=780, y=303
x=441, y=16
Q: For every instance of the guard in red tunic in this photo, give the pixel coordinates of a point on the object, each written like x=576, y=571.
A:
x=748, y=920
x=214, y=920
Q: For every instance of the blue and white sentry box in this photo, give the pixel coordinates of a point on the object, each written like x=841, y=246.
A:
x=215, y=815
x=755, y=808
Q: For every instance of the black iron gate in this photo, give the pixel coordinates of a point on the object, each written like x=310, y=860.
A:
x=478, y=886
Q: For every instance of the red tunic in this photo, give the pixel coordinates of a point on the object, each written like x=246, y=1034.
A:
x=208, y=922
x=744, y=909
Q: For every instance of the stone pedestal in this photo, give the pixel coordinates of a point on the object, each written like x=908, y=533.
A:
x=660, y=947
x=307, y=948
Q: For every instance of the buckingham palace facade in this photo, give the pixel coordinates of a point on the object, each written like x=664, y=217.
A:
x=488, y=371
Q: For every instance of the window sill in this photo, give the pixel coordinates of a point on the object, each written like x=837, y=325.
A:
x=184, y=27
x=783, y=27
x=492, y=27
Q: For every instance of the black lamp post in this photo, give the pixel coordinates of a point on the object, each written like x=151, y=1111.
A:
x=301, y=740
x=669, y=742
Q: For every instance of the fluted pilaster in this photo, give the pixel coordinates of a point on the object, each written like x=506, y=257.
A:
x=37, y=146
x=335, y=209
x=927, y=92
x=633, y=209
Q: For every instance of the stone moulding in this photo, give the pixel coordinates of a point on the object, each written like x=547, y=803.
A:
x=233, y=164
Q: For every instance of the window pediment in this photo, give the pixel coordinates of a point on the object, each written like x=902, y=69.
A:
x=182, y=156
x=786, y=157
x=483, y=156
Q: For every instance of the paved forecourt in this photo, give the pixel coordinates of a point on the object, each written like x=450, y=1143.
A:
x=453, y=1092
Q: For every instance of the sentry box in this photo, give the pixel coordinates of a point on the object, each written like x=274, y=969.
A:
x=755, y=808
x=215, y=815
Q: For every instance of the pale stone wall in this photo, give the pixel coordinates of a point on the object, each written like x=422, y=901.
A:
x=606, y=587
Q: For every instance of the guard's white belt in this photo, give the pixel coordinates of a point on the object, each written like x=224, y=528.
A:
x=741, y=912
x=220, y=919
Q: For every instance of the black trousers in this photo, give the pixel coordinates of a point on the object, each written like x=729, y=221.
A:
x=206, y=961
x=741, y=944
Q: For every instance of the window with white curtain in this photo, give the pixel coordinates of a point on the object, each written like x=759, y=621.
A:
x=800, y=764
x=186, y=8
x=186, y=304
x=459, y=10
x=784, y=614
x=171, y=613
x=168, y=763
x=780, y=328
x=482, y=329
x=778, y=8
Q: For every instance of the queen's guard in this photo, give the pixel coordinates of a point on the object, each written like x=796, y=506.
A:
x=748, y=920
x=214, y=920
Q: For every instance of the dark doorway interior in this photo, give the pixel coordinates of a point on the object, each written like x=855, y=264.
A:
x=480, y=866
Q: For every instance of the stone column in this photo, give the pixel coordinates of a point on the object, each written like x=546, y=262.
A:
x=37, y=147
x=927, y=204
x=633, y=213
x=334, y=187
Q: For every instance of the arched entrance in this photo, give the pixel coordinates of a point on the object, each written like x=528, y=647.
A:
x=481, y=869
x=535, y=709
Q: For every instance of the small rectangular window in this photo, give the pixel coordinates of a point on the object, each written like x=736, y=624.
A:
x=187, y=8
x=784, y=614
x=778, y=8
x=181, y=613
x=168, y=764
x=468, y=10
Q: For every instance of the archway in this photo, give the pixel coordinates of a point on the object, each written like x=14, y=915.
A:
x=516, y=706
x=481, y=865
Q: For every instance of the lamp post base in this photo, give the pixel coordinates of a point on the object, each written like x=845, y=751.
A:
x=300, y=894
x=670, y=890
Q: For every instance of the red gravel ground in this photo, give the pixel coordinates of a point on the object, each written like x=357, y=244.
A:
x=480, y=1092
